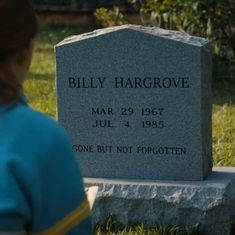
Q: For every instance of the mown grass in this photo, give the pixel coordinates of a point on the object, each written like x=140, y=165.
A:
x=40, y=91
x=141, y=230
x=223, y=119
x=112, y=227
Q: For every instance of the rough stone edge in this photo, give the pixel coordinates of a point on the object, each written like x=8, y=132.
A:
x=206, y=109
x=209, y=203
x=168, y=34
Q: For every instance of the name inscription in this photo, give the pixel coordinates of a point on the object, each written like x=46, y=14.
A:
x=129, y=82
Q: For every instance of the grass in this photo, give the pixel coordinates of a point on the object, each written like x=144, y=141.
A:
x=140, y=229
x=224, y=123
x=40, y=90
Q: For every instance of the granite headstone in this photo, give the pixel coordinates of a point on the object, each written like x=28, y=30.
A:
x=136, y=102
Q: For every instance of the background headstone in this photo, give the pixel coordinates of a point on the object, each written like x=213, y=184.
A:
x=137, y=102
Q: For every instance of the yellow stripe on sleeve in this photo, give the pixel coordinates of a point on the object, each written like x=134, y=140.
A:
x=69, y=222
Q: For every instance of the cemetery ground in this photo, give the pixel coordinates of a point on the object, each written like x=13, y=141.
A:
x=40, y=91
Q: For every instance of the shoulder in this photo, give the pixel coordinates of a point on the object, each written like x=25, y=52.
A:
x=34, y=128
x=33, y=119
x=34, y=141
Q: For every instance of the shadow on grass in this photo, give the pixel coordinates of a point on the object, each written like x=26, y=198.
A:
x=54, y=33
x=37, y=76
x=223, y=85
x=223, y=92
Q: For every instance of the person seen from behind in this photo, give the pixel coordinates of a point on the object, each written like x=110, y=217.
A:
x=41, y=188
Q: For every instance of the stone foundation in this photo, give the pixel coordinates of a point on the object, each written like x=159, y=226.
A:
x=209, y=203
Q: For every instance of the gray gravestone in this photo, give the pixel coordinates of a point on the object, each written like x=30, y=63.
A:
x=136, y=102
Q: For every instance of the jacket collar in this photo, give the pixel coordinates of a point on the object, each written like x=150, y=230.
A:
x=13, y=104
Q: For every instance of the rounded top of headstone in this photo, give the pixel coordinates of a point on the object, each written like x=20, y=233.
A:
x=154, y=31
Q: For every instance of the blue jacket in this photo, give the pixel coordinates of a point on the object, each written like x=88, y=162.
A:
x=41, y=188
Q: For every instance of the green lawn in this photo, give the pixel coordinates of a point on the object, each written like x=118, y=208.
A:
x=224, y=123
x=40, y=90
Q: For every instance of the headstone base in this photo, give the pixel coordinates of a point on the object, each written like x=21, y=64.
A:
x=209, y=203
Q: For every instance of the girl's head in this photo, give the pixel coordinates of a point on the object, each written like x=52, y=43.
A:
x=18, y=27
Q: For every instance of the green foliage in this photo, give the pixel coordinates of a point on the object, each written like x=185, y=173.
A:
x=109, y=18
x=206, y=18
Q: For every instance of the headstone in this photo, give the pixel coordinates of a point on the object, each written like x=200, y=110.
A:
x=136, y=102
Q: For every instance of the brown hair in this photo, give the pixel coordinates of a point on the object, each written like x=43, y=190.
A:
x=18, y=26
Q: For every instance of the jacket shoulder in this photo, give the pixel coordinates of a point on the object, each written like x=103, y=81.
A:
x=32, y=130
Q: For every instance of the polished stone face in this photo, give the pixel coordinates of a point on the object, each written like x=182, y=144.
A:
x=136, y=102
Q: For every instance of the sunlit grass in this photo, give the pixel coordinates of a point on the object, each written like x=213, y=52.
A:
x=158, y=229
x=223, y=128
x=41, y=95
x=224, y=135
x=141, y=230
